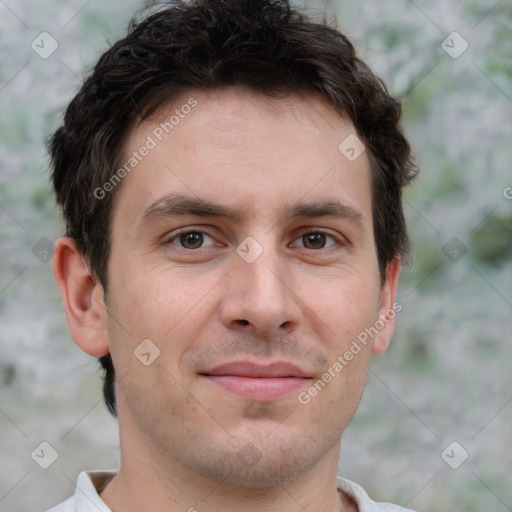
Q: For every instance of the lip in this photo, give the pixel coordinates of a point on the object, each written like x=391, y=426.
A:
x=258, y=382
x=278, y=369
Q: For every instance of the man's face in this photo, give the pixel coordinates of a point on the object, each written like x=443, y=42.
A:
x=186, y=277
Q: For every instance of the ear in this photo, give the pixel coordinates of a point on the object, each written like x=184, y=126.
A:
x=388, y=308
x=83, y=298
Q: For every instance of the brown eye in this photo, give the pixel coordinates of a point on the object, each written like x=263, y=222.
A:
x=314, y=240
x=191, y=239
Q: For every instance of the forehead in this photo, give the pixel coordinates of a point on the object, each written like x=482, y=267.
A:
x=246, y=150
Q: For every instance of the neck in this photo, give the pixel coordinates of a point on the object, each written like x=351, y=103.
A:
x=157, y=479
x=146, y=482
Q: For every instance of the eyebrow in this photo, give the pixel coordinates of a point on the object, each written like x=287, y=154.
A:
x=330, y=207
x=182, y=205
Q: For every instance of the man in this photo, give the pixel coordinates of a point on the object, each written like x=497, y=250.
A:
x=230, y=175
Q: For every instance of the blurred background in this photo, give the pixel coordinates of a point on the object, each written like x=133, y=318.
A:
x=434, y=428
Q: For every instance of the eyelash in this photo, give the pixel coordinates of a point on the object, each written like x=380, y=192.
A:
x=185, y=232
x=313, y=231
x=337, y=240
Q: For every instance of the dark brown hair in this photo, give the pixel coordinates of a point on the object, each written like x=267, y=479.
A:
x=264, y=45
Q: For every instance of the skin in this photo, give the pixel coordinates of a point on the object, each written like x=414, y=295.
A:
x=180, y=434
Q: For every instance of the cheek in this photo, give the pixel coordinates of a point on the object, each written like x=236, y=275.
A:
x=164, y=305
x=342, y=305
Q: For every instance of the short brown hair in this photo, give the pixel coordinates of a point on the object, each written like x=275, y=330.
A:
x=264, y=45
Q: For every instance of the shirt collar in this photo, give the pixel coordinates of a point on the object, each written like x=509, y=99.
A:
x=88, y=487
x=91, y=483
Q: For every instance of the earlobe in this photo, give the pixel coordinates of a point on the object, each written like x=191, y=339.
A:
x=388, y=307
x=83, y=298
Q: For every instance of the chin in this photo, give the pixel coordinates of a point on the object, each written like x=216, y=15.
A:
x=261, y=471
x=264, y=462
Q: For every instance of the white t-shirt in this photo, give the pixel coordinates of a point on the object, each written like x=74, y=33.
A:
x=90, y=483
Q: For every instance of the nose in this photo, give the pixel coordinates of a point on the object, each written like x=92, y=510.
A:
x=259, y=299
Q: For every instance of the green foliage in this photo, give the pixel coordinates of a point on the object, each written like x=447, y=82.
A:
x=491, y=243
